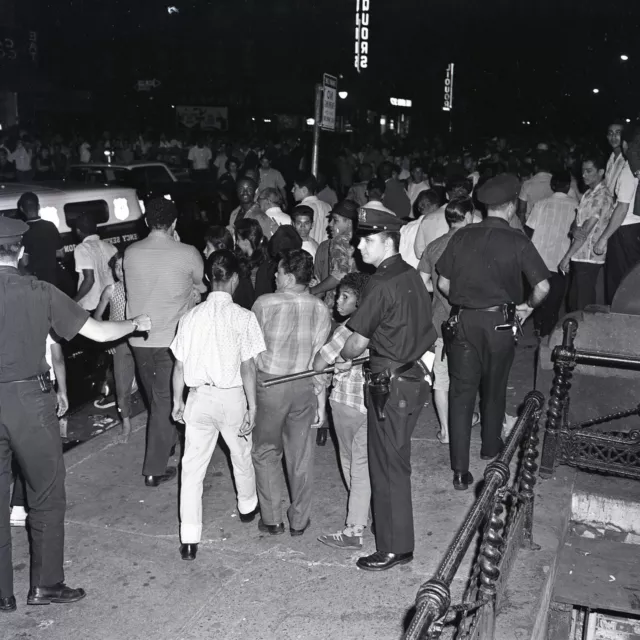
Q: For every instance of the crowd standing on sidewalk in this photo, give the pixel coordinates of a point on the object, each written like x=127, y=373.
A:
x=412, y=259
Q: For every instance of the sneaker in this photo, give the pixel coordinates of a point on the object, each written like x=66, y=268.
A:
x=18, y=517
x=341, y=541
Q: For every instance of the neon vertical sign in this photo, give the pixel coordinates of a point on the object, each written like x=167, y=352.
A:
x=361, y=60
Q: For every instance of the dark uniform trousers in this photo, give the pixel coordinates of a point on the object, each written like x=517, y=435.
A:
x=29, y=429
x=479, y=358
x=389, y=448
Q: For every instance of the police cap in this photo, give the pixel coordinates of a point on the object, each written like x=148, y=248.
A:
x=11, y=230
x=498, y=190
x=374, y=218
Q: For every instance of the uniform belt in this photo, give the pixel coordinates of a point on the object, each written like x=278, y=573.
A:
x=30, y=379
x=394, y=371
x=456, y=308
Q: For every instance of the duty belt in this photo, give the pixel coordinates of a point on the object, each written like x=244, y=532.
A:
x=42, y=378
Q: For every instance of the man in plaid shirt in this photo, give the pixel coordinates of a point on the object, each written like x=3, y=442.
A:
x=349, y=419
x=295, y=325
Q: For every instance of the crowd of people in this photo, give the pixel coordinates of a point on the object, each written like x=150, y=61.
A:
x=423, y=263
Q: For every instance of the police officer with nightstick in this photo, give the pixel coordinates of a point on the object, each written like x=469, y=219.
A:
x=481, y=273
x=29, y=429
x=394, y=322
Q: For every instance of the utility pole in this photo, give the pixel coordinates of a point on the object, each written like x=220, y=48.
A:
x=316, y=131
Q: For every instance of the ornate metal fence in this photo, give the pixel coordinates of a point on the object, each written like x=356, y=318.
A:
x=504, y=513
x=578, y=445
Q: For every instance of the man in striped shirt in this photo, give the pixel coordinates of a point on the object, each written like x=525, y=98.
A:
x=163, y=277
x=295, y=325
x=551, y=220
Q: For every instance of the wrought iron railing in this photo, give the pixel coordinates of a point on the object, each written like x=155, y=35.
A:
x=504, y=511
x=578, y=445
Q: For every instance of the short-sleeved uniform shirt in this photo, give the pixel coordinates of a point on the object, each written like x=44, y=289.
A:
x=484, y=263
x=395, y=313
x=41, y=242
x=29, y=309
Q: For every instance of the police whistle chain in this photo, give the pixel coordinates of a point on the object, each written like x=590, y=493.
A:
x=305, y=374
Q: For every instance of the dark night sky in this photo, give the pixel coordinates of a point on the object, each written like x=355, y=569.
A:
x=515, y=59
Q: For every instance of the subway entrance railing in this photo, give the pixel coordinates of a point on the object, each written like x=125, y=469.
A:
x=503, y=513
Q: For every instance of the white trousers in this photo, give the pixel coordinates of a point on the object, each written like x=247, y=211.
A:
x=211, y=411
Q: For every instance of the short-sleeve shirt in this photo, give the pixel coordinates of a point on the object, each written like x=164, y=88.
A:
x=395, y=313
x=341, y=262
x=271, y=179
x=93, y=253
x=536, y=189
x=29, y=309
x=430, y=257
x=160, y=276
x=214, y=339
x=41, y=242
x=595, y=203
x=348, y=386
x=484, y=263
x=622, y=184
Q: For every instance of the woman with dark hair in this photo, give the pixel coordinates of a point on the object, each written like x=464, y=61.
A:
x=217, y=238
x=251, y=245
x=285, y=238
x=214, y=348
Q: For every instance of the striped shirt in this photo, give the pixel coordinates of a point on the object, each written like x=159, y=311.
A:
x=551, y=220
x=295, y=327
x=161, y=275
x=348, y=386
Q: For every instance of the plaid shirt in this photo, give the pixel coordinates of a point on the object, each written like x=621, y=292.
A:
x=348, y=386
x=295, y=326
x=596, y=203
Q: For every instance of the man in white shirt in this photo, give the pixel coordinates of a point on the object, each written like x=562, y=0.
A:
x=270, y=202
x=200, y=158
x=221, y=160
x=427, y=202
x=419, y=182
x=536, y=188
x=84, y=151
x=621, y=238
x=551, y=221
x=215, y=347
x=325, y=192
x=470, y=165
x=304, y=191
x=22, y=158
x=91, y=257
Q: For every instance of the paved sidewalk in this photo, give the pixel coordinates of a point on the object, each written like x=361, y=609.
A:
x=122, y=547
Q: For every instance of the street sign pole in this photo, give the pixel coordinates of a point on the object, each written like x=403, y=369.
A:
x=316, y=130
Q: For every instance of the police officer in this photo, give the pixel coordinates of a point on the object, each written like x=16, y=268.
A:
x=29, y=429
x=481, y=274
x=394, y=322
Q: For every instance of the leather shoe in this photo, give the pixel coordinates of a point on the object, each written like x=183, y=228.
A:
x=461, y=481
x=271, y=529
x=249, y=517
x=8, y=604
x=57, y=593
x=381, y=561
x=188, y=551
x=299, y=532
x=154, y=481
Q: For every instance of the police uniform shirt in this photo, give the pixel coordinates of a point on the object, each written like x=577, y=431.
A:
x=395, y=313
x=28, y=310
x=484, y=263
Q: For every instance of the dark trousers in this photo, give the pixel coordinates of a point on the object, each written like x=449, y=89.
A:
x=479, y=358
x=124, y=371
x=155, y=365
x=389, y=448
x=582, y=292
x=623, y=253
x=283, y=427
x=29, y=430
x=545, y=317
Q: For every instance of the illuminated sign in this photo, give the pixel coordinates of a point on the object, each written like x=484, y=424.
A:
x=362, y=35
x=448, y=89
x=400, y=102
